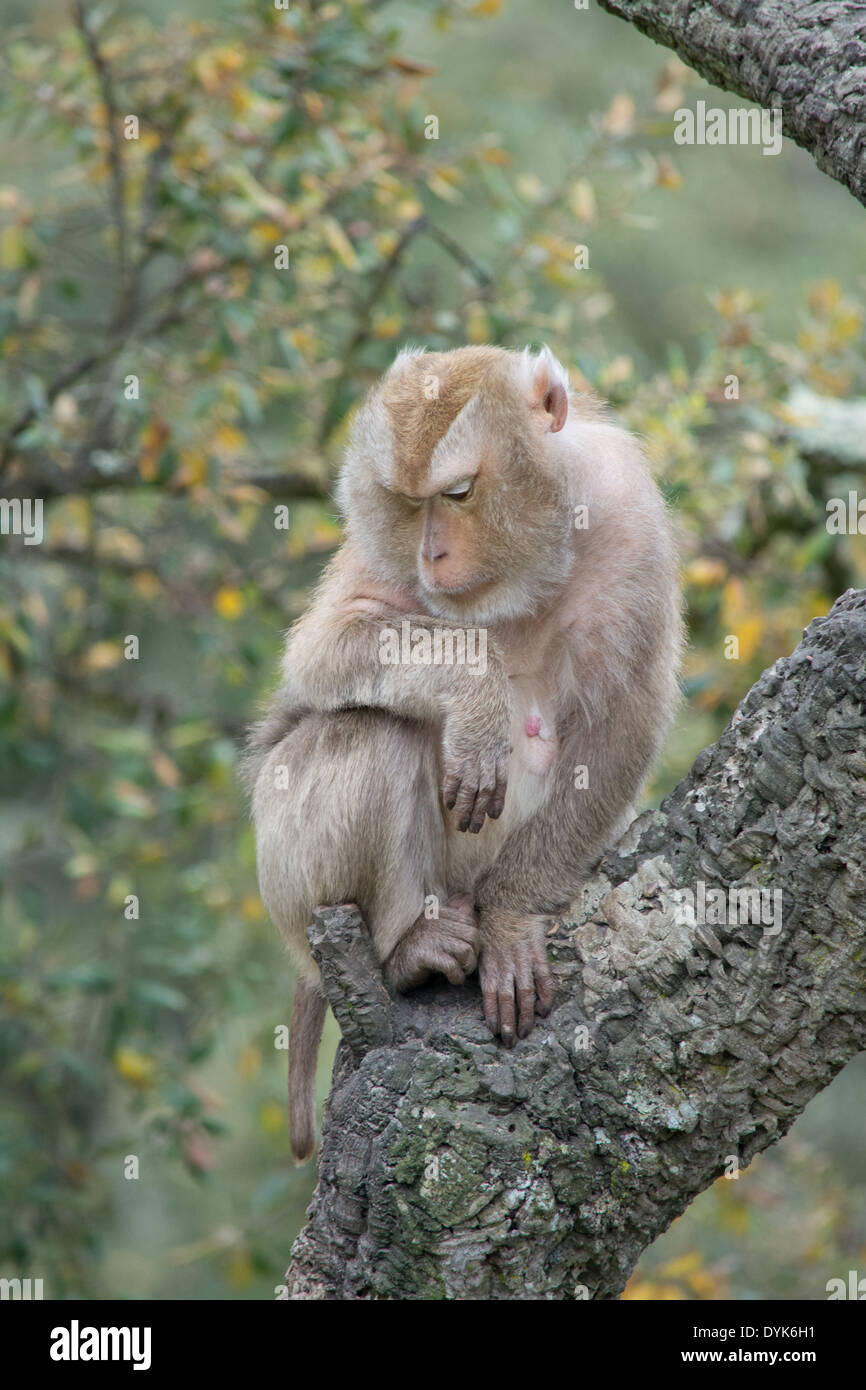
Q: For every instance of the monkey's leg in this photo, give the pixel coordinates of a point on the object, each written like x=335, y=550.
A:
x=347, y=809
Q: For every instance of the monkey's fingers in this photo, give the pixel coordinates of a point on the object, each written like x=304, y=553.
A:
x=496, y=801
x=465, y=956
x=465, y=805
x=525, y=993
x=462, y=903
x=451, y=788
x=544, y=981
x=486, y=792
x=460, y=937
x=497, y=992
x=446, y=964
x=458, y=928
x=490, y=995
x=505, y=1006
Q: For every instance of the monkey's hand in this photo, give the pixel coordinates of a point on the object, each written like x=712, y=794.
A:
x=447, y=944
x=516, y=979
x=476, y=746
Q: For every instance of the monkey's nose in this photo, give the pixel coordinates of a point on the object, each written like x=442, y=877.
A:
x=432, y=554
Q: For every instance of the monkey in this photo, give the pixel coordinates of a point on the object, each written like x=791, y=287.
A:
x=480, y=496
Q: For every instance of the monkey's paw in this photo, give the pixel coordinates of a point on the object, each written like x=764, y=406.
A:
x=447, y=945
x=475, y=778
x=516, y=981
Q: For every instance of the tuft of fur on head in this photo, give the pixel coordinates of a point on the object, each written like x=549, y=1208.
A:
x=482, y=407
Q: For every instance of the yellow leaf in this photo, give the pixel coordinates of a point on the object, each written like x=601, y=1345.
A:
x=240, y=1269
x=252, y=908
x=387, y=327
x=146, y=584
x=314, y=104
x=749, y=634
x=249, y=1061
x=165, y=770
x=619, y=117
x=228, y=603
x=192, y=471
x=134, y=1066
x=133, y=798
x=443, y=189
x=667, y=174
x=705, y=573
x=529, y=186
x=707, y=1285
x=13, y=248
x=477, y=324
x=682, y=1264
x=823, y=297
x=117, y=542
x=228, y=440
x=74, y=598
x=340, y=243
x=240, y=100
x=483, y=9
x=102, y=656
x=273, y=1118
x=494, y=154
x=581, y=200
x=152, y=851
x=649, y=1290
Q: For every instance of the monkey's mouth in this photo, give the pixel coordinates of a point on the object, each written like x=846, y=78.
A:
x=476, y=587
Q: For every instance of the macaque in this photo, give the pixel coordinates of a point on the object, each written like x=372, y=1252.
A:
x=455, y=801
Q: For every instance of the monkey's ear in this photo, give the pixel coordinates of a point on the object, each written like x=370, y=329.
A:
x=547, y=384
x=403, y=356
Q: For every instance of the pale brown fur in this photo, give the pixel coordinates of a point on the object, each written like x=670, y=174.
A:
x=583, y=630
x=418, y=418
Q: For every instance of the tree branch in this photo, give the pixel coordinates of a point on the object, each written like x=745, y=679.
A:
x=807, y=56
x=453, y=1168
x=125, y=288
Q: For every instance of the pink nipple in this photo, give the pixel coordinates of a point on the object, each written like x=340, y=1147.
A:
x=533, y=725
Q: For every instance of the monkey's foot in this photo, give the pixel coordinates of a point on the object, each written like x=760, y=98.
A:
x=447, y=944
x=516, y=980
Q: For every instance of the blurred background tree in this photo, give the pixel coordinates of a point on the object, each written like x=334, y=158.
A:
x=216, y=229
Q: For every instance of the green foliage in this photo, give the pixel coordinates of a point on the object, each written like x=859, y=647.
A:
x=167, y=388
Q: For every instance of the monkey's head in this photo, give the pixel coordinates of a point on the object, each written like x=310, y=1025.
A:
x=450, y=488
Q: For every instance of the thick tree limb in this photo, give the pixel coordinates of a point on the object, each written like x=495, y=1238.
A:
x=807, y=56
x=451, y=1168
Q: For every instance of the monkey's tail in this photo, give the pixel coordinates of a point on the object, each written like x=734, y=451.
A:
x=308, y=1015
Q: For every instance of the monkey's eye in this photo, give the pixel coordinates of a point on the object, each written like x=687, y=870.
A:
x=460, y=491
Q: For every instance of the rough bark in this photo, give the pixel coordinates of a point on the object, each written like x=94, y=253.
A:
x=806, y=56
x=452, y=1168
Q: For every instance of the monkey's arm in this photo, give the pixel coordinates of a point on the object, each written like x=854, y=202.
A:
x=337, y=657
x=542, y=864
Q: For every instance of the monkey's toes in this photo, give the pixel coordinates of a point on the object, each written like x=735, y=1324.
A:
x=516, y=982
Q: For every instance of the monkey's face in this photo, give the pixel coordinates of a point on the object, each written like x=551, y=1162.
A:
x=459, y=507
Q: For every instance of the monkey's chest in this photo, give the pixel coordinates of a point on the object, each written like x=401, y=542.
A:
x=530, y=777
x=533, y=732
